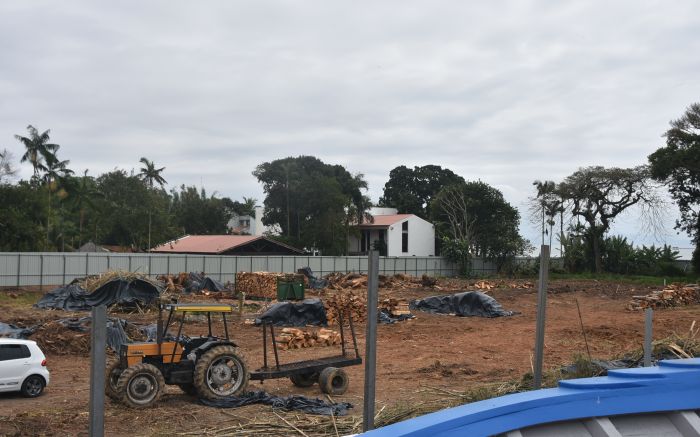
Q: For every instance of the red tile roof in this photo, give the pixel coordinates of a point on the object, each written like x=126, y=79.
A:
x=383, y=221
x=209, y=243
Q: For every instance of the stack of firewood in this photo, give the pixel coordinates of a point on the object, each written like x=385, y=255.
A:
x=671, y=296
x=263, y=284
x=174, y=284
x=488, y=285
x=394, y=307
x=343, y=281
x=347, y=302
x=293, y=338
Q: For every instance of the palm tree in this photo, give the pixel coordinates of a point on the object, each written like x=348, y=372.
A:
x=545, y=189
x=150, y=174
x=55, y=173
x=81, y=193
x=39, y=150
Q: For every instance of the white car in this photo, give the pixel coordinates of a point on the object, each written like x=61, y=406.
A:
x=22, y=367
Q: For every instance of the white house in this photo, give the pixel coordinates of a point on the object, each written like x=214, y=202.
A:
x=250, y=225
x=403, y=234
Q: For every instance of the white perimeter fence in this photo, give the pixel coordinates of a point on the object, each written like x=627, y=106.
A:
x=55, y=268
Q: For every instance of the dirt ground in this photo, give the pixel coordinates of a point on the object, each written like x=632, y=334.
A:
x=436, y=351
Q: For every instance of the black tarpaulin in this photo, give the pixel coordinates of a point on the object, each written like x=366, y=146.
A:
x=306, y=312
x=288, y=403
x=12, y=331
x=314, y=282
x=468, y=303
x=199, y=282
x=72, y=297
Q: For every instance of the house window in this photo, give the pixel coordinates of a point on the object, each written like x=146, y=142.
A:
x=404, y=237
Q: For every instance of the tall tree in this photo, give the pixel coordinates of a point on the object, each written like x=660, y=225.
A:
x=475, y=215
x=199, y=214
x=21, y=217
x=7, y=170
x=119, y=214
x=312, y=202
x=678, y=165
x=38, y=149
x=82, y=194
x=545, y=207
x=411, y=190
x=599, y=195
x=150, y=174
x=55, y=173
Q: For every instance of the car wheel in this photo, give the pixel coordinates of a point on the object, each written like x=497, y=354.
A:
x=33, y=386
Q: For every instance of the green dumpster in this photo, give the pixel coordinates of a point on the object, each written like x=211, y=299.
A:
x=290, y=289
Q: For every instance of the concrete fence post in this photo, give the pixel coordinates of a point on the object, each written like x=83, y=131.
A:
x=98, y=342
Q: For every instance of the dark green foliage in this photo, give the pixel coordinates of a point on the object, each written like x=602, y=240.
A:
x=412, y=190
x=22, y=217
x=475, y=215
x=313, y=203
x=678, y=164
x=122, y=214
x=195, y=213
x=458, y=251
x=618, y=256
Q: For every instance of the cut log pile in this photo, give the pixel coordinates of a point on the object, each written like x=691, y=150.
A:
x=394, y=307
x=343, y=281
x=488, y=285
x=293, y=338
x=348, y=302
x=671, y=296
x=263, y=284
x=174, y=284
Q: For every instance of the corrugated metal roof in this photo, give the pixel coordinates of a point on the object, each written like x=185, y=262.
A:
x=385, y=220
x=205, y=243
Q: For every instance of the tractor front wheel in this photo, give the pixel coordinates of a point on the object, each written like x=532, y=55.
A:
x=220, y=372
x=112, y=375
x=141, y=385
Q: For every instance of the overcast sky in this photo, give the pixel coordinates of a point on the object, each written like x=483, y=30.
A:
x=502, y=91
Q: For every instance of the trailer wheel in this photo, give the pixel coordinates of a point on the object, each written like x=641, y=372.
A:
x=304, y=379
x=220, y=372
x=141, y=385
x=333, y=381
x=112, y=375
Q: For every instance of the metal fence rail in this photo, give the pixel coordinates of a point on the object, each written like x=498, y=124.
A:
x=19, y=269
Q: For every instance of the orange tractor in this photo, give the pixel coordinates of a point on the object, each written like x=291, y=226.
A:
x=207, y=366
x=211, y=367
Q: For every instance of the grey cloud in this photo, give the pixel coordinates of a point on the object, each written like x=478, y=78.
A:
x=506, y=92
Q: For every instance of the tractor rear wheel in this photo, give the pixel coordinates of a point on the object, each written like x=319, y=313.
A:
x=112, y=374
x=141, y=385
x=220, y=372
